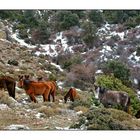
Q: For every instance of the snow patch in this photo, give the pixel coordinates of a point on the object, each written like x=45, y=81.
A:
x=46, y=71
x=21, y=41
x=57, y=66
x=135, y=81
x=121, y=35
x=134, y=58
x=138, y=92
x=99, y=72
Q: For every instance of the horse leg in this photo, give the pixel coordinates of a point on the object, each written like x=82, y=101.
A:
x=127, y=107
x=43, y=98
x=53, y=96
x=65, y=99
x=46, y=95
x=11, y=90
x=71, y=98
x=49, y=97
x=32, y=97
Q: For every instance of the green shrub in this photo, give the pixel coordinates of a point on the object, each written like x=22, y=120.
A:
x=119, y=70
x=86, y=103
x=112, y=83
x=96, y=17
x=65, y=19
x=89, y=36
x=106, y=119
x=23, y=34
x=52, y=77
x=75, y=59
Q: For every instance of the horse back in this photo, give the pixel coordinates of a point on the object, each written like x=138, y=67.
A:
x=37, y=88
x=52, y=85
x=116, y=97
x=72, y=92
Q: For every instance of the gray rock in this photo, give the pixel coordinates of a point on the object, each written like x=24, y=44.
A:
x=17, y=127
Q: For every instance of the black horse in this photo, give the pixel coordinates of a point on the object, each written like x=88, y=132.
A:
x=111, y=98
x=9, y=84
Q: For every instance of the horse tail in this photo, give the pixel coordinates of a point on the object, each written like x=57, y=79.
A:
x=55, y=84
x=127, y=107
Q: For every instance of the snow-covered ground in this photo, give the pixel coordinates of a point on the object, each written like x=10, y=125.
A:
x=59, y=45
x=48, y=49
x=134, y=58
x=21, y=41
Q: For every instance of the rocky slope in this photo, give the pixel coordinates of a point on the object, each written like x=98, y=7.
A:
x=18, y=57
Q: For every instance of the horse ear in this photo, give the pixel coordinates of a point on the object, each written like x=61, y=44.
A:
x=20, y=76
x=95, y=86
x=28, y=76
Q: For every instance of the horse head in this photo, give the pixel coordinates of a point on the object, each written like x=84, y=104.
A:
x=99, y=91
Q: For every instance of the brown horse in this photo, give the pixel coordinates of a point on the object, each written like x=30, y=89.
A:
x=33, y=88
x=53, y=86
x=9, y=83
x=72, y=94
x=111, y=98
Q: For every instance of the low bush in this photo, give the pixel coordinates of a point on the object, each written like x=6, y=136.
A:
x=49, y=111
x=106, y=119
x=83, y=103
x=118, y=69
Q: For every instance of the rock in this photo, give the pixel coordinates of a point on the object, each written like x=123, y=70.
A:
x=4, y=107
x=39, y=115
x=13, y=62
x=17, y=127
x=62, y=128
x=79, y=112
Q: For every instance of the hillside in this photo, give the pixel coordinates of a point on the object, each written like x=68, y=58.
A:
x=75, y=49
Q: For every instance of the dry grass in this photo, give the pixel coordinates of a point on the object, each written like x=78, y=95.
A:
x=8, y=117
x=48, y=111
x=6, y=99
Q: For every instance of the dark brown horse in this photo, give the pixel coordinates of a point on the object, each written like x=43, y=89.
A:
x=33, y=88
x=9, y=83
x=111, y=98
x=72, y=94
